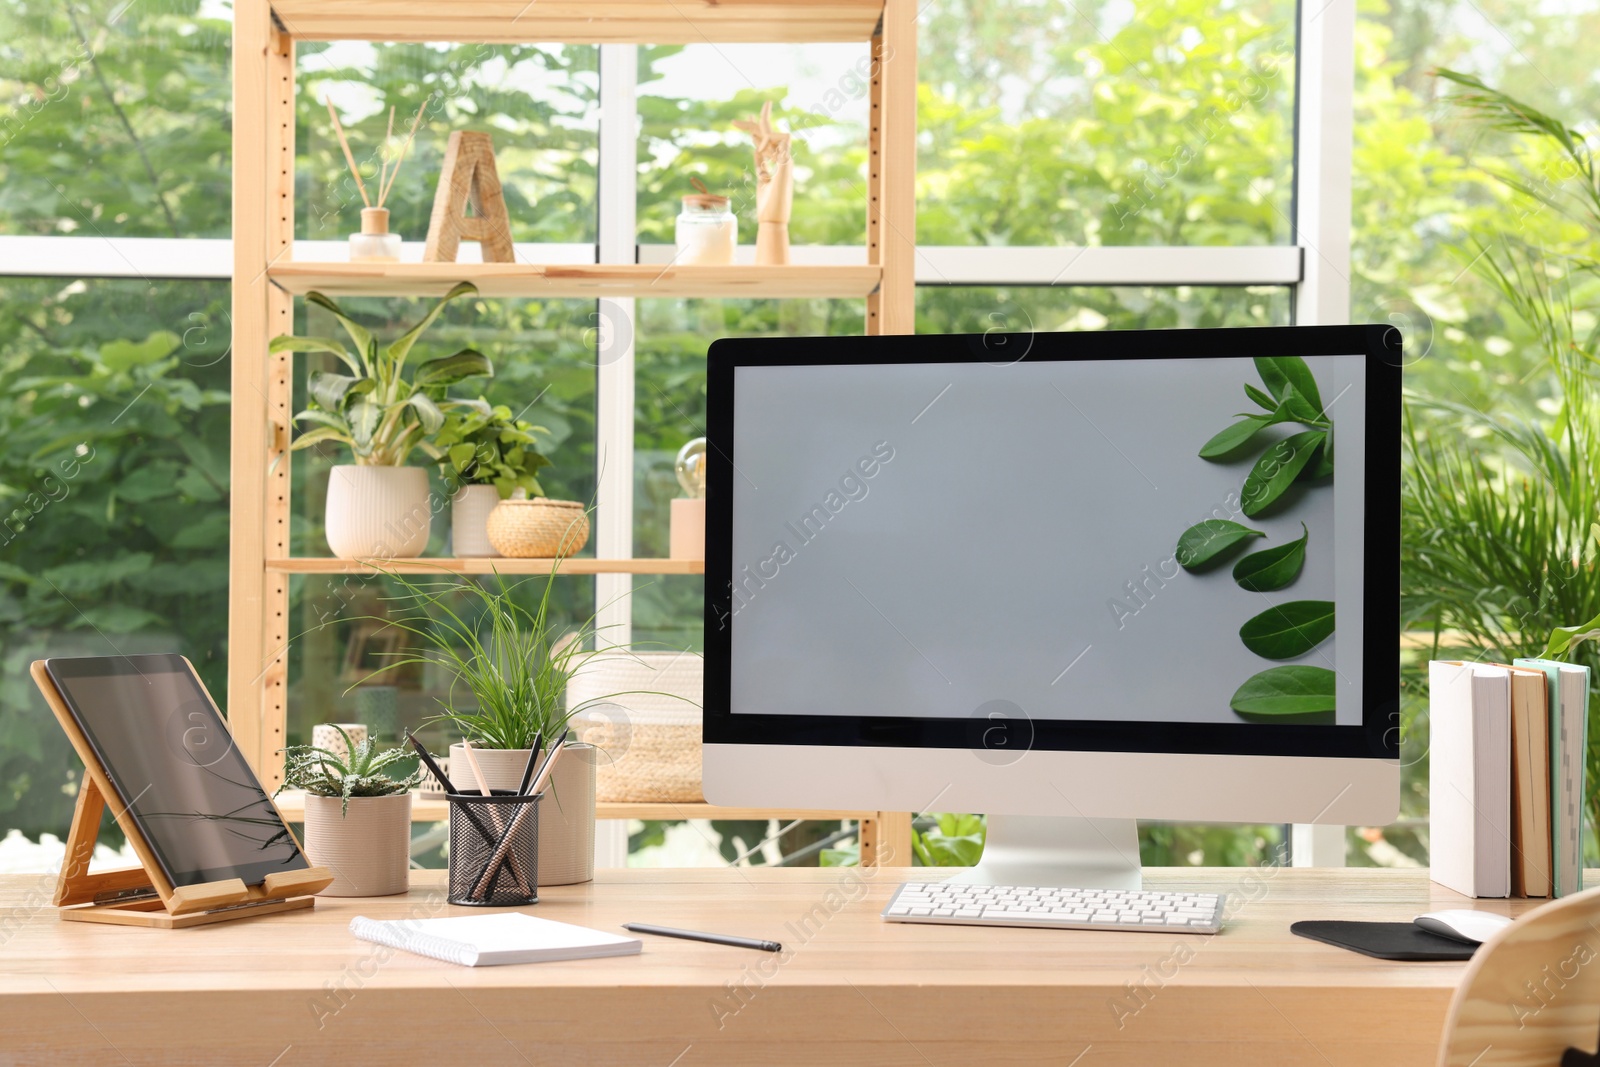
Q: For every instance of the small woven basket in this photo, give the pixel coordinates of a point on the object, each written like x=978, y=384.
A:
x=649, y=744
x=538, y=528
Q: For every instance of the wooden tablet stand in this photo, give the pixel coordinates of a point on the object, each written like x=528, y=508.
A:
x=142, y=896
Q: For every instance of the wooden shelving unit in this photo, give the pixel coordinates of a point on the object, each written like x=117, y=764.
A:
x=432, y=809
x=267, y=278
x=478, y=565
x=578, y=282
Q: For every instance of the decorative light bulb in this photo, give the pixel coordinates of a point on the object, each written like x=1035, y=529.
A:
x=691, y=467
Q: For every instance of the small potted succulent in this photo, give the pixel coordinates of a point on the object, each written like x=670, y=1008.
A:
x=377, y=506
x=492, y=456
x=358, y=816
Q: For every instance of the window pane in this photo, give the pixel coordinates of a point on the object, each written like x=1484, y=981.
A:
x=1105, y=122
x=114, y=496
x=670, y=409
x=689, y=96
x=540, y=103
x=1020, y=309
x=114, y=118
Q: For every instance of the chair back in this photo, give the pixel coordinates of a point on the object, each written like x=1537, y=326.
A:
x=1531, y=992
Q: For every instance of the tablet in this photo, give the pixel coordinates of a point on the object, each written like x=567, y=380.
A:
x=175, y=769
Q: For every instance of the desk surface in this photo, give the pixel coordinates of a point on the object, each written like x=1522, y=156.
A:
x=299, y=989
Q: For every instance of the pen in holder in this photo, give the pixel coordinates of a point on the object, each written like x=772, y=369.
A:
x=494, y=849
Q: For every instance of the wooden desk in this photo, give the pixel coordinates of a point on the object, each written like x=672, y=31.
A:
x=297, y=989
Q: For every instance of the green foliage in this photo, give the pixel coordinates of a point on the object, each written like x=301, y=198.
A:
x=1209, y=539
x=952, y=841
x=1296, y=689
x=1272, y=569
x=374, y=411
x=513, y=662
x=491, y=447
x=1288, y=630
x=360, y=771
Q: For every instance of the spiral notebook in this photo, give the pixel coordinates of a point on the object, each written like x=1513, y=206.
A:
x=488, y=940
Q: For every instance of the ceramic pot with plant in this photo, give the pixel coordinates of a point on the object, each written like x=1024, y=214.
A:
x=508, y=667
x=358, y=816
x=378, y=507
x=492, y=456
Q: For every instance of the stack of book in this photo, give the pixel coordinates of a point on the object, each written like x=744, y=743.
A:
x=1506, y=769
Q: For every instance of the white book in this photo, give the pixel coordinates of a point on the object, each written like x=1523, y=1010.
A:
x=1569, y=744
x=1469, y=777
x=487, y=940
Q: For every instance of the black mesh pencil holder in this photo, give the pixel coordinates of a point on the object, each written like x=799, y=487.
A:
x=494, y=849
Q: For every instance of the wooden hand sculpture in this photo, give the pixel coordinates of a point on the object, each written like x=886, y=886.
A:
x=774, y=187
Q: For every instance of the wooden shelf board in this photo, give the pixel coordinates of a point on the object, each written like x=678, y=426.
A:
x=570, y=21
x=427, y=809
x=497, y=565
x=579, y=281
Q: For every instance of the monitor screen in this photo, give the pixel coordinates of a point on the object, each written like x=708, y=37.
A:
x=176, y=768
x=1061, y=539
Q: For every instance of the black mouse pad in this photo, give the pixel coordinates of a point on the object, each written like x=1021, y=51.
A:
x=1385, y=941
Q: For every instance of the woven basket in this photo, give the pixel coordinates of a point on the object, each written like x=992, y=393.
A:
x=539, y=528
x=649, y=744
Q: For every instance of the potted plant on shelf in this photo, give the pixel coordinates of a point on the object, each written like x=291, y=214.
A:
x=377, y=506
x=358, y=816
x=492, y=456
x=513, y=664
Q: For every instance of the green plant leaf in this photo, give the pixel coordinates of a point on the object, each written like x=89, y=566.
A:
x=1235, y=436
x=1324, y=465
x=364, y=416
x=1285, y=631
x=1297, y=689
x=1272, y=568
x=1296, y=407
x=427, y=412
x=1260, y=398
x=467, y=363
x=1278, y=372
x=400, y=349
x=1563, y=638
x=290, y=343
x=1206, y=540
x=332, y=390
x=1277, y=469
x=366, y=349
x=318, y=435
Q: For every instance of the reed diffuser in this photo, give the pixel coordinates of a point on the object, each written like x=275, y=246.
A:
x=375, y=244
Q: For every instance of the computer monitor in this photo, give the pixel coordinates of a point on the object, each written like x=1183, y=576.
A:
x=1068, y=580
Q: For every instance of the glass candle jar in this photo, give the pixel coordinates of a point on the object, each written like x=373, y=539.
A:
x=375, y=244
x=707, y=231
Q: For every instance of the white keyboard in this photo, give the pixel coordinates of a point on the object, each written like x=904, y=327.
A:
x=1064, y=909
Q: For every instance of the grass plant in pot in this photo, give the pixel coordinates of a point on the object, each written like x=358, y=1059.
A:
x=377, y=506
x=491, y=456
x=358, y=815
x=509, y=666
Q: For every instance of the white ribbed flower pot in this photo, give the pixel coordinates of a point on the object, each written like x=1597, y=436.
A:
x=378, y=512
x=368, y=849
x=469, y=521
x=566, y=814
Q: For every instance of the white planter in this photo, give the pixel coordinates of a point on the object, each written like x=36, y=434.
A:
x=378, y=512
x=469, y=520
x=368, y=849
x=566, y=814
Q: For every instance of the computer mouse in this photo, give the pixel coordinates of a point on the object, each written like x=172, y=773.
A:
x=1473, y=927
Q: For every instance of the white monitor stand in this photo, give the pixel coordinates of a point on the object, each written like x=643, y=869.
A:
x=1042, y=850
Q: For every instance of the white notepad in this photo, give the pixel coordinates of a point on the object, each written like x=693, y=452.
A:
x=486, y=940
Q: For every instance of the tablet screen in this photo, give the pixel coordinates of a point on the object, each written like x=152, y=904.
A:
x=174, y=764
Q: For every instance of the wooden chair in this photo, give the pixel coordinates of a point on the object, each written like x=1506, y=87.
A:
x=1531, y=992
